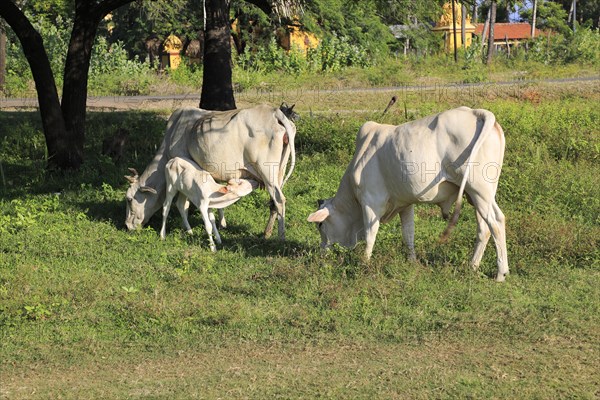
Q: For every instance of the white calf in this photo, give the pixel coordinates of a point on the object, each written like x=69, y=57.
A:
x=185, y=177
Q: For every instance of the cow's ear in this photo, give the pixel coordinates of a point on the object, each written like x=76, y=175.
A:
x=148, y=189
x=319, y=216
x=224, y=189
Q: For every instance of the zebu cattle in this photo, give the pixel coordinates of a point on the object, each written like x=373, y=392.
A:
x=186, y=178
x=432, y=160
x=254, y=143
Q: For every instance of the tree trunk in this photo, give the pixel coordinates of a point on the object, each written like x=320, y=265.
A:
x=217, y=87
x=486, y=29
x=60, y=154
x=2, y=56
x=574, y=15
x=491, y=47
x=77, y=65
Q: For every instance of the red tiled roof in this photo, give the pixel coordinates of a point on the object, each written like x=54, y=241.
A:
x=512, y=31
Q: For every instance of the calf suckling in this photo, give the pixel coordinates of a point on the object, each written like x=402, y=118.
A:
x=192, y=183
x=254, y=143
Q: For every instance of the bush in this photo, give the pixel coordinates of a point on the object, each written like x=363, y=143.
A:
x=332, y=54
x=583, y=46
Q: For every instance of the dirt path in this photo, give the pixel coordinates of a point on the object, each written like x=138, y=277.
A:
x=274, y=94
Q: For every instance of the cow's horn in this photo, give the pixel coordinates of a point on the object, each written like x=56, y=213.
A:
x=131, y=179
x=134, y=172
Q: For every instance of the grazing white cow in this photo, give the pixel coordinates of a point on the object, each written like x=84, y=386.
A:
x=186, y=178
x=432, y=160
x=254, y=143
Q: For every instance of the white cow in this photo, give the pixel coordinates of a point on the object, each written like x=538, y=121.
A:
x=186, y=178
x=432, y=160
x=254, y=143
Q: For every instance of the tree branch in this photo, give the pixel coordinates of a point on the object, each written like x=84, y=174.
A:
x=106, y=6
x=264, y=5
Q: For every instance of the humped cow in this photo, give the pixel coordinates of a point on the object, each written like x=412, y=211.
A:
x=254, y=143
x=432, y=160
x=186, y=178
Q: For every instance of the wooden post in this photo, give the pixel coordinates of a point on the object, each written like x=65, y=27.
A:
x=533, y=19
x=463, y=22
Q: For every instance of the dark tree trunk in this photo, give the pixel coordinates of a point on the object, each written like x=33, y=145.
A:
x=2, y=56
x=217, y=87
x=88, y=14
x=64, y=127
x=491, y=47
x=76, y=72
x=60, y=152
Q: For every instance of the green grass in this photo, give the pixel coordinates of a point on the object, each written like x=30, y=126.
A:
x=88, y=310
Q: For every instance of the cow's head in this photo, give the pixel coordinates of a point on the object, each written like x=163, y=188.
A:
x=337, y=225
x=141, y=202
x=289, y=112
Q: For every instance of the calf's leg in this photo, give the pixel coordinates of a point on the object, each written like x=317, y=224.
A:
x=208, y=226
x=183, y=205
x=222, y=222
x=211, y=216
x=171, y=192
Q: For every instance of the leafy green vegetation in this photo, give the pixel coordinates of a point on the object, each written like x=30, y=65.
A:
x=89, y=310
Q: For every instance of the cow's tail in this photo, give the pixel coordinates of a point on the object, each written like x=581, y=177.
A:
x=289, y=150
x=488, y=127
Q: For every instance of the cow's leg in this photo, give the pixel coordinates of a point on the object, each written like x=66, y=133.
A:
x=495, y=220
x=407, y=218
x=371, y=223
x=171, y=192
x=279, y=204
x=272, y=218
x=183, y=205
x=211, y=216
x=222, y=222
x=483, y=236
x=207, y=224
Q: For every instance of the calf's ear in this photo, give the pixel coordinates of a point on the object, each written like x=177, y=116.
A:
x=319, y=216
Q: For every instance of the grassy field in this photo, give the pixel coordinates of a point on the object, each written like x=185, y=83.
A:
x=88, y=310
